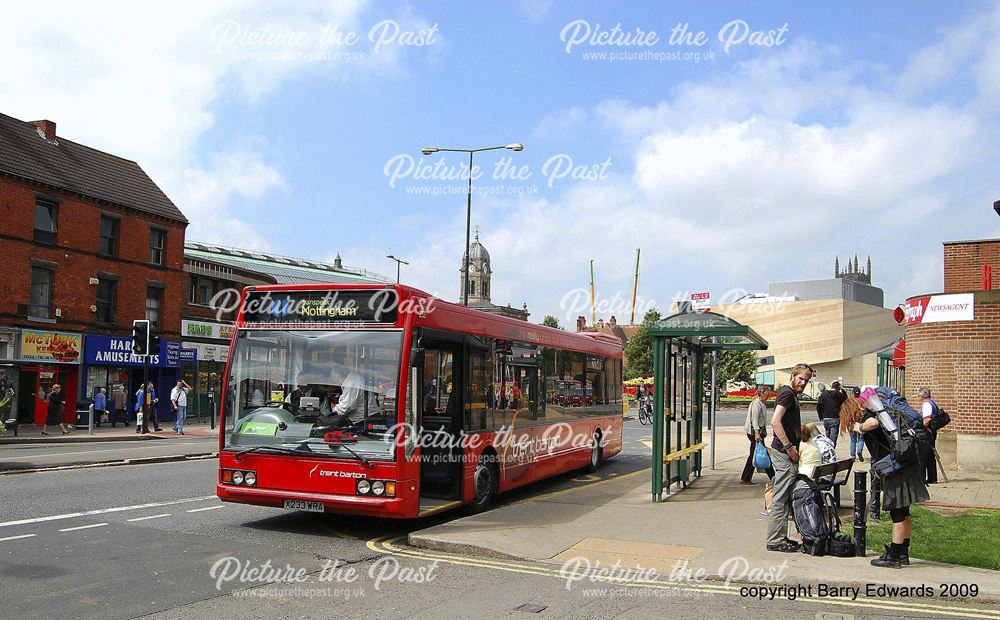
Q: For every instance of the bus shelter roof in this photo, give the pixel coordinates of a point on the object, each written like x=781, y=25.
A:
x=708, y=331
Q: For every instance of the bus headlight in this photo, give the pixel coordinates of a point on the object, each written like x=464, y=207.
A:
x=250, y=479
x=237, y=477
x=364, y=487
x=378, y=487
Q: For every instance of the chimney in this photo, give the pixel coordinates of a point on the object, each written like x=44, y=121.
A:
x=613, y=321
x=47, y=127
x=581, y=323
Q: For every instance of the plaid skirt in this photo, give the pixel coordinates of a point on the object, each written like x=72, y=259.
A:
x=904, y=488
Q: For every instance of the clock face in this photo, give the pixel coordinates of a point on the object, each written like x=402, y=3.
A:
x=472, y=268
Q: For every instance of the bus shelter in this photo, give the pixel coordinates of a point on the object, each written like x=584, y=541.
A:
x=681, y=343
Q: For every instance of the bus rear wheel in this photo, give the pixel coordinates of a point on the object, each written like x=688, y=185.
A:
x=485, y=483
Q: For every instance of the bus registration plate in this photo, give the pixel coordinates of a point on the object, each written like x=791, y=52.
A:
x=300, y=504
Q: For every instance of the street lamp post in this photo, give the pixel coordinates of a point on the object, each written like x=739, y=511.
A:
x=428, y=150
x=399, y=261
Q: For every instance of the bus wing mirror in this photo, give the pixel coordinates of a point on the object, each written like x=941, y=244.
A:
x=416, y=356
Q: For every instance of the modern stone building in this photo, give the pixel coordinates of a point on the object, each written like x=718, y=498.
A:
x=838, y=326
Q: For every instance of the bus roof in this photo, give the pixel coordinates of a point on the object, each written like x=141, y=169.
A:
x=435, y=313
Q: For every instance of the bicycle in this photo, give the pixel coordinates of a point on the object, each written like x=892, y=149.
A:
x=645, y=412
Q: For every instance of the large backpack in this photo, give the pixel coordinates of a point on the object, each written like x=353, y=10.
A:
x=818, y=523
x=911, y=430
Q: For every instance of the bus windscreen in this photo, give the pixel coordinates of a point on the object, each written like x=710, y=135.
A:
x=314, y=393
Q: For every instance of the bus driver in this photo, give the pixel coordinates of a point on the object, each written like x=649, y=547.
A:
x=356, y=402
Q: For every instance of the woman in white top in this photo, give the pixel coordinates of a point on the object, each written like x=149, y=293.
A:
x=755, y=427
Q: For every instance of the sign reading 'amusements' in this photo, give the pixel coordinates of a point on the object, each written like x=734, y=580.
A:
x=369, y=306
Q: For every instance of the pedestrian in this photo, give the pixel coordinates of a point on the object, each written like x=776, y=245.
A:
x=900, y=490
x=816, y=450
x=828, y=407
x=928, y=410
x=755, y=426
x=146, y=401
x=118, y=399
x=100, y=407
x=786, y=424
x=852, y=412
x=178, y=400
x=54, y=416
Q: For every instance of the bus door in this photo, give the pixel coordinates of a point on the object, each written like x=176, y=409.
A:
x=441, y=418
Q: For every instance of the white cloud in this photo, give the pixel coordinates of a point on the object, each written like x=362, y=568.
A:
x=762, y=175
x=143, y=81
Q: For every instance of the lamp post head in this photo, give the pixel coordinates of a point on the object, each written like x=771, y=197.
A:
x=996, y=206
x=427, y=150
x=517, y=146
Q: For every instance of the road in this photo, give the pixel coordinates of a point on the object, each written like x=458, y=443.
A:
x=22, y=456
x=153, y=541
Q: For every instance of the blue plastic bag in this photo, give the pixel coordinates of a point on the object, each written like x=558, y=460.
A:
x=761, y=459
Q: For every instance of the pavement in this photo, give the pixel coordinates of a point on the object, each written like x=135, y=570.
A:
x=33, y=434
x=713, y=526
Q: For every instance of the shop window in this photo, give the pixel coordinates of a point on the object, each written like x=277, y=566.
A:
x=109, y=237
x=154, y=305
x=40, y=305
x=157, y=243
x=46, y=212
x=106, y=301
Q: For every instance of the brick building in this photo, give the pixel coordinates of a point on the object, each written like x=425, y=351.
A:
x=956, y=353
x=89, y=243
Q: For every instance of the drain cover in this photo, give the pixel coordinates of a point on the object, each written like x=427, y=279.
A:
x=531, y=608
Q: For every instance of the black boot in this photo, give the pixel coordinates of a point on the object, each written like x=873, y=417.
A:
x=889, y=559
x=904, y=554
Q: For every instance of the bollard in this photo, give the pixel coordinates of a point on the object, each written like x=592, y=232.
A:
x=875, y=512
x=860, y=503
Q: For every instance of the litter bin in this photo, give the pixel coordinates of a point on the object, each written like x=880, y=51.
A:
x=83, y=414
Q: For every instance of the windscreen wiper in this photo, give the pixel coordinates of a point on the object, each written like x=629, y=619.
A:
x=367, y=463
x=278, y=449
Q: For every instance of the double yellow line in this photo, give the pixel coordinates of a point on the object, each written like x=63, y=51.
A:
x=389, y=545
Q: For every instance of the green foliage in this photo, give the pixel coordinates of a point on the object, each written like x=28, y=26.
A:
x=733, y=366
x=551, y=321
x=639, y=351
x=971, y=538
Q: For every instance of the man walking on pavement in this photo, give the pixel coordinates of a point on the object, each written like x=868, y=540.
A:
x=929, y=409
x=118, y=399
x=178, y=400
x=100, y=406
x=828, y=407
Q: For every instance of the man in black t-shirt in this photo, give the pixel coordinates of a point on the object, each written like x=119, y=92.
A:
x=786, y=424
x=828, y=407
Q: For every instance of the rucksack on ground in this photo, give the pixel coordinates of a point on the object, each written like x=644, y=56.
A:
x=818, y=523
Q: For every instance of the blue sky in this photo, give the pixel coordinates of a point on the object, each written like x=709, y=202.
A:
x=861, y=129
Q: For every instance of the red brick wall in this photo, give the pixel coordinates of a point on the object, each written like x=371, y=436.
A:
x=77, y=243
x=963, y=265
x=960, y=363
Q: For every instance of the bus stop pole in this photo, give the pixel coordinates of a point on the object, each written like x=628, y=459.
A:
x=715, y=359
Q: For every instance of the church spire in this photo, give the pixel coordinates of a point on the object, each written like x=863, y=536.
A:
x=836, y=267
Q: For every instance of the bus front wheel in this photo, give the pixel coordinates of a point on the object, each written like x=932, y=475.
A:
x=484, y=484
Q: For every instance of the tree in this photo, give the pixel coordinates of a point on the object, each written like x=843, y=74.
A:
x=551, y=321
x=732, y=366
x=639, y=350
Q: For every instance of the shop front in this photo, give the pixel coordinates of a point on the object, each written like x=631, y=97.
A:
x=46, y=358
x=208, y=344
x=110, y=364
